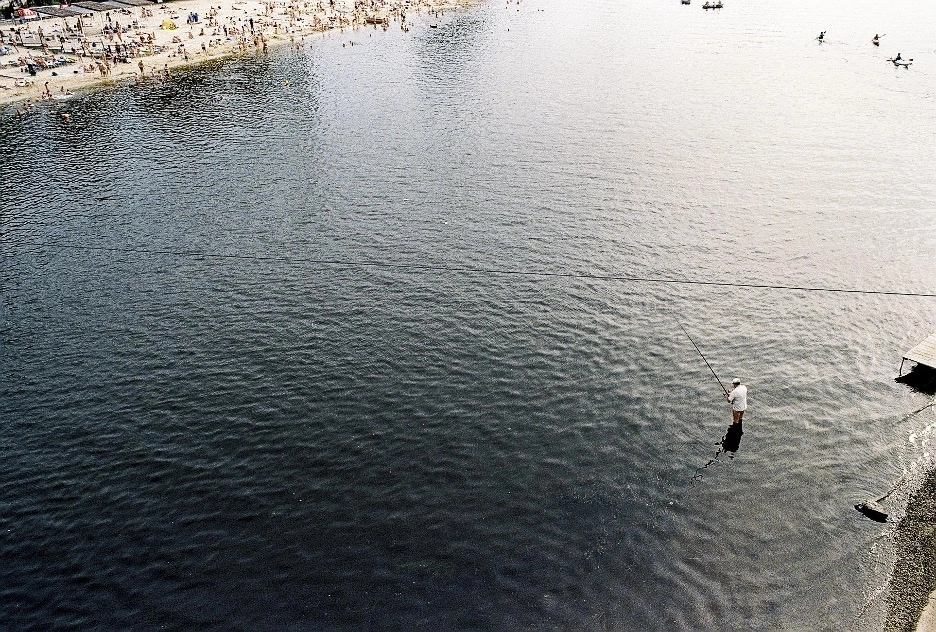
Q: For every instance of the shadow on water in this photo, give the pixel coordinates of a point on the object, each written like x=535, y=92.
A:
x=920, y=378
x=729, y=444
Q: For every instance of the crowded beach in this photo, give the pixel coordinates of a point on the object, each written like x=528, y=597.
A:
x=47, y=53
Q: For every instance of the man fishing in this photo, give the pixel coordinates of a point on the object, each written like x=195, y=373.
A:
x=738, y=395
x=738, y=400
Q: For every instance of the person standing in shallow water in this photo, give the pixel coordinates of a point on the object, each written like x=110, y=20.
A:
x=738, y=400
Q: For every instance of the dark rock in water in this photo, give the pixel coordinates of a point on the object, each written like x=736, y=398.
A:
x=872, y=510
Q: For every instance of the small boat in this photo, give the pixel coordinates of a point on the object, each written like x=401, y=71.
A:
x=684, y=1
x=901, y=62
x=872, y=510
x=713, y=5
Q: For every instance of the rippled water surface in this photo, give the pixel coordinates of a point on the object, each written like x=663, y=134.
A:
x=327, y=338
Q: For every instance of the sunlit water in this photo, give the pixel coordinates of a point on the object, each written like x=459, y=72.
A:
x=273, y=355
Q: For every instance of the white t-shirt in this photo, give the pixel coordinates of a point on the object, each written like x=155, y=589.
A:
x=738, y=397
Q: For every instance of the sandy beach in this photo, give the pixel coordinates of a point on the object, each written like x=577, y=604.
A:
x=52, y=58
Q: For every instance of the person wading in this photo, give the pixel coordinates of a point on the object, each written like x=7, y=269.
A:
x=738, y=400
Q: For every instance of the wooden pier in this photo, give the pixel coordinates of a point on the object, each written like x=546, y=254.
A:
x=924, y=353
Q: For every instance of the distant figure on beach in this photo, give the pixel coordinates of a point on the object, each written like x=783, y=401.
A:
x=898, y=57
x=738, y=400
x=876, y=40
x=821, y=37
x=140, y=65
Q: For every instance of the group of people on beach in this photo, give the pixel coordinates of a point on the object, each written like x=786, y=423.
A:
x=28, y=107
x=99, y=44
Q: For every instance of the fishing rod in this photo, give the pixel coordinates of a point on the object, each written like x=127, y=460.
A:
x=703, y=357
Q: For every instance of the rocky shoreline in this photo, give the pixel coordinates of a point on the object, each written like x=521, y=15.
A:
x=910, y=600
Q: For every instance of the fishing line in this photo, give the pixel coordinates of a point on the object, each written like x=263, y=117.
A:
x=415, y=267
x=425, y=267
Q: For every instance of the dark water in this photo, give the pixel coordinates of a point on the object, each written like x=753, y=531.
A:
x=273, y=356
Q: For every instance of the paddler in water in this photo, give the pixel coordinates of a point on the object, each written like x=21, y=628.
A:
x=738, y=400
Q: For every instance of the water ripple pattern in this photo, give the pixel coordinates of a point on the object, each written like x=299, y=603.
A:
x=205, y=427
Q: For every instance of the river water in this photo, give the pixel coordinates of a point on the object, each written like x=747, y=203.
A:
x=355, y=337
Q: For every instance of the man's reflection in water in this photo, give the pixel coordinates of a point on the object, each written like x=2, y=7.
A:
x=729, y=444
x=732, y=439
